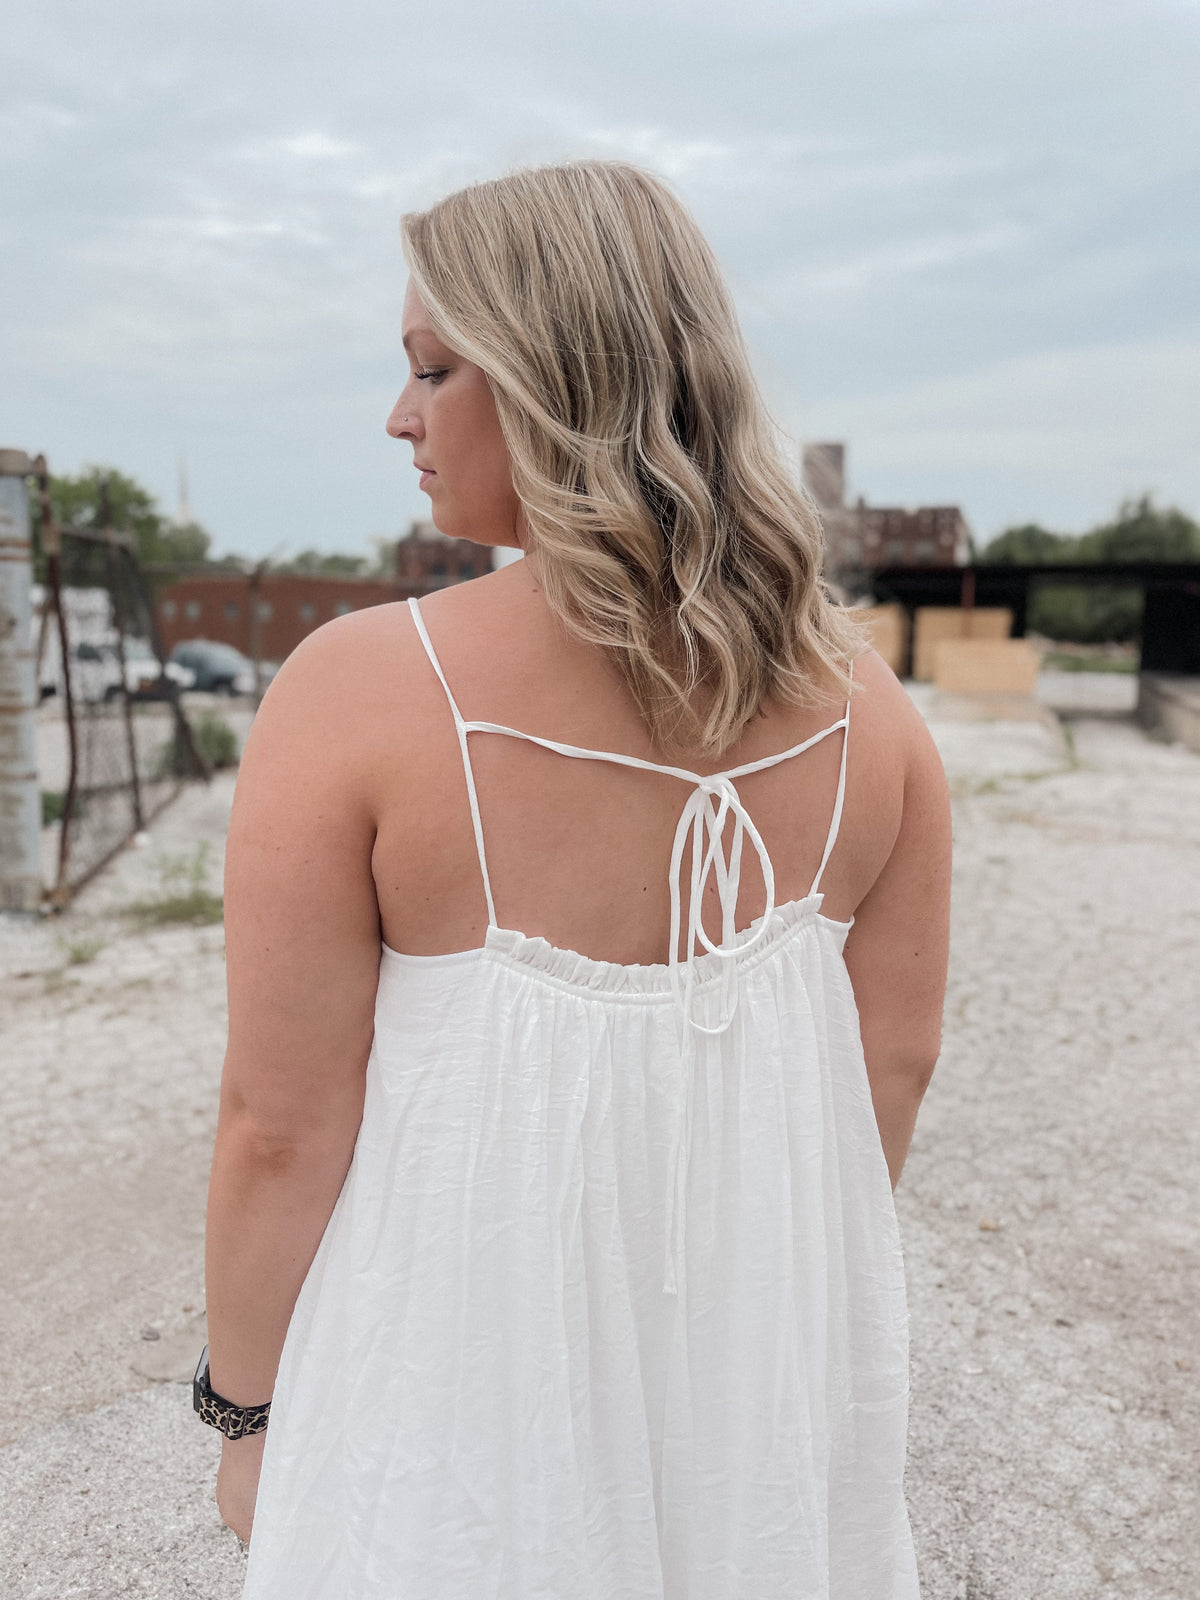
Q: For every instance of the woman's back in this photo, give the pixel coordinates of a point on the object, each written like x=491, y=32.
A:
x=578, y=851
x=612, y=1302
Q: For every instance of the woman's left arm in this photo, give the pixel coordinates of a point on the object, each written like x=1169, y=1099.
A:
x=302, y=951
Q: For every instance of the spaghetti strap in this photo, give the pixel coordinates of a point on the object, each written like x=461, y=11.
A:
x=836, y=820
x=460, y=728
x=714, y=800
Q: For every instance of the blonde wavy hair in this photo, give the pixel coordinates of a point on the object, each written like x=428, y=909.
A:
x=666, y=521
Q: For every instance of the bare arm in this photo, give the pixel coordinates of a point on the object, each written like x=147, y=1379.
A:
x=898, y=949
x=302, y=945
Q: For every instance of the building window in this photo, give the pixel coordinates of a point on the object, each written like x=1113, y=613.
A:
x=265, y=610
x=895, y=550
x=438, y=570
x=231, y=610
x=167, y=608
x=308, y=611
x=342, y=608
x=925, y=549
x=192, y=610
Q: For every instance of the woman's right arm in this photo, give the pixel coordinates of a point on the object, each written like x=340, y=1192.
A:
x=302, y=943
x=898, y=949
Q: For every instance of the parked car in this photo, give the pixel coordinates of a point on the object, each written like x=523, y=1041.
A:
x=96, y=671
x=219, y=668
x=147, y=678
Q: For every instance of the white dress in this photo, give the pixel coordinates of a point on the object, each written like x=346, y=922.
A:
x=611, y=1305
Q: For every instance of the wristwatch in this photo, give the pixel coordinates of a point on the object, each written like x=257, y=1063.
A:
x=235, y=1422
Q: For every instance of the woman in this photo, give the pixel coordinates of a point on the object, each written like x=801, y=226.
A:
x=581, y=1236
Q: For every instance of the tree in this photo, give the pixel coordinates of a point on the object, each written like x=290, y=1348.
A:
x=186, y=544
x=132, y=509
x=1141, y=531
x=1094, y=613
x=1027, y=545
x=336, y=565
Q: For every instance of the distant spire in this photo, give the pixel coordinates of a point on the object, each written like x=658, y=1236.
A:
x=183, y=516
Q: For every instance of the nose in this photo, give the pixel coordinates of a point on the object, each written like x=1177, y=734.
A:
x=401, y=423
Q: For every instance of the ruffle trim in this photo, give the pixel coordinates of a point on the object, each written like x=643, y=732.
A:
x=575, y=971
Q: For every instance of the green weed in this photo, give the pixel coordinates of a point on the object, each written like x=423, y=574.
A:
x=183, y=895
x=79, y=951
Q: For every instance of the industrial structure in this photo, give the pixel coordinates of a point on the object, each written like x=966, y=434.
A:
x=282, y=607
x=860, y=538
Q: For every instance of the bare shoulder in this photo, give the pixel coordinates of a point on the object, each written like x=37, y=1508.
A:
x=338, y=653
x=356, y=716
x=332, y=678
x=377, y=651
x=337, y=719
x=882, y=710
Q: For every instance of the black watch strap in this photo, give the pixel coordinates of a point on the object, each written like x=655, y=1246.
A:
x=235, y=1422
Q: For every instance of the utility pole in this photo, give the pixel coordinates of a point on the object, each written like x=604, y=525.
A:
x=20, y=795
x=254, y=586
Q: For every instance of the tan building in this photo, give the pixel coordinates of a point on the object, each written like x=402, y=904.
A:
x=291, y=604
x=860, y=538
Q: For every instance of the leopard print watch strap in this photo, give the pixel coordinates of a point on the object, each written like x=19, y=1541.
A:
x=235, y=1422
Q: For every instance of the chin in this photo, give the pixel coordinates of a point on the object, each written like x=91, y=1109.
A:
x=451, y=529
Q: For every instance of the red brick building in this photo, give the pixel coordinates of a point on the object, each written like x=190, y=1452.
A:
x=861, y=537
x=291, y=604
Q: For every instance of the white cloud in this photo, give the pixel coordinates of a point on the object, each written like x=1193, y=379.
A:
x=675, y=158
x=317, y=146
x=962, y=237
x=1063, y=435
x=901, y=256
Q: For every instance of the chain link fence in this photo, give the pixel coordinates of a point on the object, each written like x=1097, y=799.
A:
x=126, y=744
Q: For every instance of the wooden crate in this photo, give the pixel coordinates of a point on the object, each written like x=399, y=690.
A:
x=887, y=629
x=935, y=623
x=986, y=666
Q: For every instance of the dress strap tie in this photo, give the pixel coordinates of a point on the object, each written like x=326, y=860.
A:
x=706, y=811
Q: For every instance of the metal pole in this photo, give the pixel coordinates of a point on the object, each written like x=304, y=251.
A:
x=20, y=796
x=52, y=550
x=967, y=601
x=114, y=590
x=254, y=585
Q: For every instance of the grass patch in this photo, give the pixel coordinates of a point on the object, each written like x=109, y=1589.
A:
x=79, y=951
x=199, y=908
x=1003, y=782
x=215, y=741
x=1089, y=661
x=54, y=802
x=183, y=895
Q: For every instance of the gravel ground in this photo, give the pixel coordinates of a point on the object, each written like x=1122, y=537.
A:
x=1050, y=1209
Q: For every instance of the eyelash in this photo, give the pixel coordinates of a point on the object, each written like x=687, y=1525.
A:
x=432, y=372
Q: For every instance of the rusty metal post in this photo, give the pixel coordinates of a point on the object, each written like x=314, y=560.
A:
x=52, y=550
x=20, y=795
x=114, y=590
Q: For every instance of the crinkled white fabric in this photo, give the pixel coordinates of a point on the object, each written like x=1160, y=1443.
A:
x=485, y=1393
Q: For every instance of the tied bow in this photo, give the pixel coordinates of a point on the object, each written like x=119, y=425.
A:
x=704, y=815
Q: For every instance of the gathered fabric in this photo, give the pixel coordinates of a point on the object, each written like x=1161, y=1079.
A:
x=611, y=1305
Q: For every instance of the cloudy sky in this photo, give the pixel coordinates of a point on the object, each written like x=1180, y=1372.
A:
x=963, y=237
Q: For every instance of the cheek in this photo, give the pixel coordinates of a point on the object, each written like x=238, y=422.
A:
x=484, y=441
